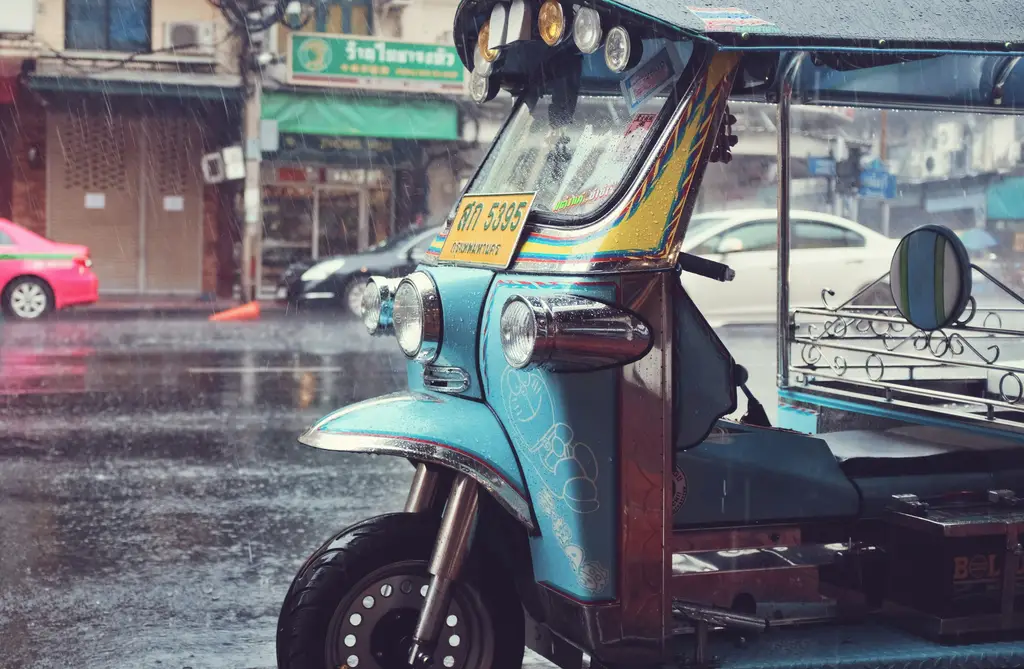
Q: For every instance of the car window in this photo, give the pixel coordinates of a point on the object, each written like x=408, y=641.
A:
x=753, y=236
x=5, y=239
x=817, y=235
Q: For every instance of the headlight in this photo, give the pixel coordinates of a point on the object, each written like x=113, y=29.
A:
x=586, y=30
x=569, y=333
x=551, y=22
x=321, y=271
x=621, y=50
x=417, y=317
x=518, y=329
x=377, y=304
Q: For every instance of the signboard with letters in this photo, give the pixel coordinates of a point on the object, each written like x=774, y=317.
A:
x=821, y=167
x=877, y=183
x=347, y=61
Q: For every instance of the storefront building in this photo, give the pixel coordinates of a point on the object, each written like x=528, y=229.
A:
x=102, y=142
x=120, y=166
x=365, y=130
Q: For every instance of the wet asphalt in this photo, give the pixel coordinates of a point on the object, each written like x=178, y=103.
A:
x=154, y=502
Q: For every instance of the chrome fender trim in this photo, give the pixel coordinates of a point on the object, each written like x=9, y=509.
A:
x=349, y=430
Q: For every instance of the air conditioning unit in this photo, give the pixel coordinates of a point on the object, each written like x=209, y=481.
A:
x=190, y=37
x=935, y=164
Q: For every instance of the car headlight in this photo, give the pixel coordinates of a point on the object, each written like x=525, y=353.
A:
x=321, y=271
x=417, y=317
x=377, y=304
x=569, y=333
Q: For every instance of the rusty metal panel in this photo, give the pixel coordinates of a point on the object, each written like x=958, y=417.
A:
x=93, y=187
x=645, y=454
x=172, y=204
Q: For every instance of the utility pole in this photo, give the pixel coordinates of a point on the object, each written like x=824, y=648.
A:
x=249, y=20
x=252, y=193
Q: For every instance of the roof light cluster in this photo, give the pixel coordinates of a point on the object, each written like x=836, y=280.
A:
x=513, y=21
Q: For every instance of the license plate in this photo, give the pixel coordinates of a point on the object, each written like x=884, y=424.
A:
x=486, y=230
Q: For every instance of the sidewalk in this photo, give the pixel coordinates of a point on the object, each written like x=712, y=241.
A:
x=159, y=306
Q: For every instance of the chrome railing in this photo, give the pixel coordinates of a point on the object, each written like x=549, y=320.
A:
x=973, y=369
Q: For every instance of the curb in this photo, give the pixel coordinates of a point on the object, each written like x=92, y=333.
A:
x=151, y=312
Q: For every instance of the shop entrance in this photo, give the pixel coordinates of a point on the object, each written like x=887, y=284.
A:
x=309, y=222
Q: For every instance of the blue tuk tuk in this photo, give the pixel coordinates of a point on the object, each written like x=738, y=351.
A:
x=580, y=488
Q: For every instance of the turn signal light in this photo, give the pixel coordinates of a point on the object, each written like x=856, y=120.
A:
x=567, y=333
x=489, y=55
x=551, y=22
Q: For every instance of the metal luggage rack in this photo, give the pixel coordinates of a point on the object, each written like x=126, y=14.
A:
x=973, y=369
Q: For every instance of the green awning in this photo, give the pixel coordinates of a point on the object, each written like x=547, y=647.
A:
x=346, y=116
x=1006, y=199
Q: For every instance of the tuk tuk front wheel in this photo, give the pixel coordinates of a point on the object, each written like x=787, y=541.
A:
x=356, y=601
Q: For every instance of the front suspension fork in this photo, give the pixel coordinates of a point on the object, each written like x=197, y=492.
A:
x=449, y=554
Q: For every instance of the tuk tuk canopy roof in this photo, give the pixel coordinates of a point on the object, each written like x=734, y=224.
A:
x=933, y=25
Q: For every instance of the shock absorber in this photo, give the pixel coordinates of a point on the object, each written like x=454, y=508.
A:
x=446, y=562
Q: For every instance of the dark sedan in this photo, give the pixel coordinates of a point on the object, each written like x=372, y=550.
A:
x=338, y=281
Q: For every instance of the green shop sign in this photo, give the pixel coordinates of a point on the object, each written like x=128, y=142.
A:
x=363, y=62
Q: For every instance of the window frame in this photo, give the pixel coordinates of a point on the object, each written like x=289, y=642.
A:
x=145, y=48
x=323, y=9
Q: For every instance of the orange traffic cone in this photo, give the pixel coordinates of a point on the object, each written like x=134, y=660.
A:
x=247, y=312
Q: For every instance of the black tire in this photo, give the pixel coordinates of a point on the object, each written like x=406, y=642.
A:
x=315, y=631
x=18, y=291
x=353, y=290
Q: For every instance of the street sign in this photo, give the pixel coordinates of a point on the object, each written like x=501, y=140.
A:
x=346, y=61
x=876, y=183
x=821, y=167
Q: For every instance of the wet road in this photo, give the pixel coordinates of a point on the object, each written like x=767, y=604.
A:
x=154, y=503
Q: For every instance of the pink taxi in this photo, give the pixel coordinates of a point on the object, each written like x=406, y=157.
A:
x=38, y=276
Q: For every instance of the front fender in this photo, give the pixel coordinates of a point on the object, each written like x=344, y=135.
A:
x=425, y=428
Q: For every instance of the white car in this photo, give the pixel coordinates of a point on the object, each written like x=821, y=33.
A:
x=826, y=252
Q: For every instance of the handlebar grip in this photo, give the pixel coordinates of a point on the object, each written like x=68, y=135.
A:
x=704, y=267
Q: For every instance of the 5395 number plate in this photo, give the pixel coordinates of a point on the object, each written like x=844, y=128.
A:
x=486, y=229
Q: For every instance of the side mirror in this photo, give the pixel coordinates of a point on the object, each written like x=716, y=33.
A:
x=730, y=245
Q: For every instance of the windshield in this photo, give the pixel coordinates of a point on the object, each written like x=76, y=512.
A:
x=577, y=158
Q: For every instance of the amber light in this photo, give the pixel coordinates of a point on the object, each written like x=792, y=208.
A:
x=551, y=22
x=481, y=43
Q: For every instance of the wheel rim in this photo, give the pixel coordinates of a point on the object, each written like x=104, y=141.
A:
x=354, y=299
x=28, y=300
x=372, y=628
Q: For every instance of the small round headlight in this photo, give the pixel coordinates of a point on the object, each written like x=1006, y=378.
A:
x=481, y=66
x=490, y=55
x=375, y=307
x=417, y=317
x=518, y=328
x=621, y=50
x=371, y=307
x=586, y=30
x=482, y=89
x=551, y=22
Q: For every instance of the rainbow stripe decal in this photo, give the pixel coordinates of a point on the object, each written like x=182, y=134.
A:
x=647, y=225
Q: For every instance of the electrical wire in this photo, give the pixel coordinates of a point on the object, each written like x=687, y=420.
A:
x=74, y=62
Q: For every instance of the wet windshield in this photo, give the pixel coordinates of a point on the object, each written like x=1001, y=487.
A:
x=577, y=159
